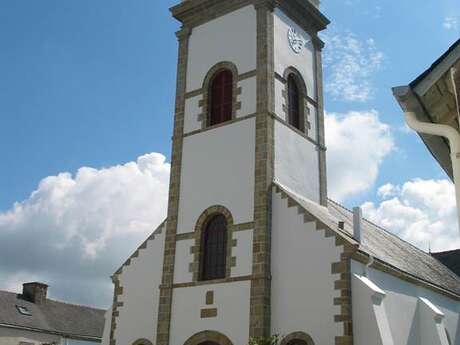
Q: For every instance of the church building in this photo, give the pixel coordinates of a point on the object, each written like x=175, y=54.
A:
x=252, y=246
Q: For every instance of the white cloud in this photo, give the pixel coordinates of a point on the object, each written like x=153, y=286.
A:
x=451, y=23
x=357, y=144
x=422, y=212
x=74, y=231
x=350, y=64
x=387, y=191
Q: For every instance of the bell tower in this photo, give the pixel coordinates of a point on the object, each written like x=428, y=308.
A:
x=248, y=113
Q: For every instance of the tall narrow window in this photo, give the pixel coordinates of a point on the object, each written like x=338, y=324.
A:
x=214, y=249
x=294, y=103
x=221, y=92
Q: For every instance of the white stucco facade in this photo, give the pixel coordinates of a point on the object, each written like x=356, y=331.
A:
x=296, y=162
x=302, y=283
x=404, y=310
x=231, y=37
x=218, y=169
x=140, y=280
x=231, y=301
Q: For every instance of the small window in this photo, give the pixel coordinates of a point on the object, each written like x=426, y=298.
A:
x=294, y=104
x=221, y=93
x=23, y=310
x=214, y=249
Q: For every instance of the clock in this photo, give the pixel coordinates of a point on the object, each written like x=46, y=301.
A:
x=295, y=40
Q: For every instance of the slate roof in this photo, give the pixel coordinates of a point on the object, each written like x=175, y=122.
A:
x=451, y=259
x=69, y=320
x=383, y=245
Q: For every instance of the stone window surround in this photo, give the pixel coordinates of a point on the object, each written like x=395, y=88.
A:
x=305, y=100
x=197, y=249
x=142, y=342
x=210, y=336
x=204, y=103
x=297, y=336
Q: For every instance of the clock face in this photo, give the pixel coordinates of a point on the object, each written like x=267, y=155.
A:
x=295, y=40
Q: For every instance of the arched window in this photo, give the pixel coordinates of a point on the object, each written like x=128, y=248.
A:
x=294, y=99
x=221, y=93
x=214, y=248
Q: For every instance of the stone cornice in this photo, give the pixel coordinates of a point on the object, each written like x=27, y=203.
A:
x=196, y=12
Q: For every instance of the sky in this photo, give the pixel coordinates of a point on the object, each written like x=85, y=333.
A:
x=86, y=108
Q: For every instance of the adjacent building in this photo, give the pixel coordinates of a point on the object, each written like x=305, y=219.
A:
x=251, y=245
x=30, y=318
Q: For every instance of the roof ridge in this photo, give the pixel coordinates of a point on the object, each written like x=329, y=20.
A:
x=18, y=294
x=75, y=304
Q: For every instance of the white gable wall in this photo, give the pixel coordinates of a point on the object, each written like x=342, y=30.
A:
x=140, y=281
x=302, y=283
x=401, y=305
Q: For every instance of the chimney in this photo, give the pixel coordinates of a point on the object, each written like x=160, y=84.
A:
x=34, y=292
x=357, y=223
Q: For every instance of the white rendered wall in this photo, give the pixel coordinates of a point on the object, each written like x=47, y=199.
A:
x=140, y=281
x=302, y=284
x=401, y=305
x=191, y=114
x=231, y=37
x=182, y=262
x=9, y=336
x=218, y=169
x=243, y=253
x=107, y=324
x=248, y=97
x=231, y=301
x=285, y=57
x=296, y=162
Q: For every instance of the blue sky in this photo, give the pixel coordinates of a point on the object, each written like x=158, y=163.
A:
x=91, y=84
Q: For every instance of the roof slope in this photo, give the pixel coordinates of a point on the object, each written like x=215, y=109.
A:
x=451, y=259
x=383, y=245
x=52, y=316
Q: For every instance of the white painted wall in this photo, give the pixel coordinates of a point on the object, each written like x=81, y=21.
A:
x=401, y=304
x=107, y=324
x=312, y=117
x=191, y=114
x=183, y=260
x=140, y=281
x=243, y=253
x=9, y=336
x=231, y=301
x=296, y=162
x=369, y=312
x=285, y=57
x=248, y=97
x=218, y=169
x=231, y=37
x=302, y=283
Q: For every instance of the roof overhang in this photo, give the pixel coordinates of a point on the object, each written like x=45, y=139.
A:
x=434, y=97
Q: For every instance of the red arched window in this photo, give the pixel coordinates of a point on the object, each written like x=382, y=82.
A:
x=294, y=103
x=214, y=249
x=221, y=92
